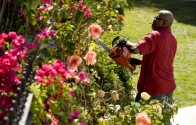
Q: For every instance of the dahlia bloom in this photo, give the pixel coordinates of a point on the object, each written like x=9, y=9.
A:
x=94, y=31
x=142, y=119
x=90, y=58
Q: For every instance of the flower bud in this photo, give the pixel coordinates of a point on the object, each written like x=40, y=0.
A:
x=100, y=93
x=114, y=95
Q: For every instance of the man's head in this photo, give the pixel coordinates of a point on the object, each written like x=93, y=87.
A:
x=164, y=18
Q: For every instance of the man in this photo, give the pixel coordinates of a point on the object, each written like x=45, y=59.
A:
x=158, y=49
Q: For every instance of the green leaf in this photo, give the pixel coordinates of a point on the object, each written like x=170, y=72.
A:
x=27, y=5
x=63, y=13
x=55, y=15
x=21, y=29
x=34, y=4
x=43, y=45
x=68, y=27
x=7, y=45
x=45, y=53
x=33, y=21
x=61, y=114
x=40, y=100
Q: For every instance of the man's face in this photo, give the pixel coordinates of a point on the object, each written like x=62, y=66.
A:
x=158, y=22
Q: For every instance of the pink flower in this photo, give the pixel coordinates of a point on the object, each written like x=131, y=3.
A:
x=46, y=1
x=83, y=77
x=90, y=58
x=94, y=31
x=142, y=119
x=88, y=13
x=81, y=123
x=35, y=45
x=74, y=62
x=76, y=113
x=12, y=35
x=1, y=42
x=70, y=118
x=21, y=11
x=55, y=121
x=52, y=32
x=39, y=36
x=45, y=32
x=72, y=93
x=4, y=36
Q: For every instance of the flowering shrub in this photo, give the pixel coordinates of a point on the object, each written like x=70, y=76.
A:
x=150, y=112
x=54, y=93
x=13, y=51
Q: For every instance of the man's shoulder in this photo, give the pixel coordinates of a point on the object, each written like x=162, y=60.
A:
x=153, y=34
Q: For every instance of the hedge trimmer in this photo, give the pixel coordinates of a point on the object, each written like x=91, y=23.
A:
x=120, y=54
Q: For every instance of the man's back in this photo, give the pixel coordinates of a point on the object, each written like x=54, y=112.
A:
x=158, y=50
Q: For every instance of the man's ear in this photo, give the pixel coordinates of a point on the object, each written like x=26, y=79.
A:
x=164, y=23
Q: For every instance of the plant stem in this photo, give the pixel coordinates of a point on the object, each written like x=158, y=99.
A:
x=12, y=17
x=2, y=12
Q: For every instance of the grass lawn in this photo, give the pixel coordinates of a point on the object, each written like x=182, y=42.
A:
x=138, y=23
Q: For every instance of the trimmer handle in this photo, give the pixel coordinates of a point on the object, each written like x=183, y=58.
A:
x=115, y=39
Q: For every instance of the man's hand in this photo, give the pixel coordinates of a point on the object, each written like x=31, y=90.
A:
x=135, y=61
x=122, y=42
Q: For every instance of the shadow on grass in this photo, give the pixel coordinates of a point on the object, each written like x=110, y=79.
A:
x=184, y=11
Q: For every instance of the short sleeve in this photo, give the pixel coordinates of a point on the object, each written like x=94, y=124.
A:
x=148, y=44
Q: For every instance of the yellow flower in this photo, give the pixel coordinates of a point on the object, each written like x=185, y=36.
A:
x=145, y=96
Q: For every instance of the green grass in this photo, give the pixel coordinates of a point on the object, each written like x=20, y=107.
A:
x=138, y=23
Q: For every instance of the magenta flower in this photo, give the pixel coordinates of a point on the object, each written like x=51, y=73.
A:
x=30, y=47
x=76, y=113
x=1, y=42
x=46, y=1
x=81, y=123
x=82, y=75
x=45, y=32
x=72, y=93
x=21, y=12
x=70, y=118
x=88, y=14
x=4, y=36
x=39, y=36
x=35, y=45
x=52, y=32
x=12, y=35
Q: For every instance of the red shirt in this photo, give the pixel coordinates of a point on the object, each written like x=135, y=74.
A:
x=157, y=75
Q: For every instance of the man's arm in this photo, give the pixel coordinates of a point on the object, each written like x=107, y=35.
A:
x=132, y=47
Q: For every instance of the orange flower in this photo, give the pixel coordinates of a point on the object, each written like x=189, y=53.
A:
x=90, y=58
x=74, y=62
x=94, y=31
x=121, y=17
x=142, y=119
